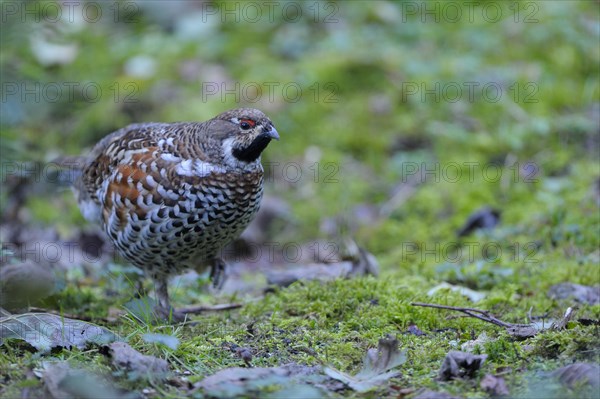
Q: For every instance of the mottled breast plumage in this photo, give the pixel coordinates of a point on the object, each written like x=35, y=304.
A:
x=170, y=196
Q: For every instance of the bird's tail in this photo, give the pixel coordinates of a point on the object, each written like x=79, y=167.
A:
x=69, y=169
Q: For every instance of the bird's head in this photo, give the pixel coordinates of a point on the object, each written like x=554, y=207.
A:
x=248, y=134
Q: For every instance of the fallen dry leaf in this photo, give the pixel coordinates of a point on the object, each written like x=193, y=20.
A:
x=245, y=354
x=320, y=272
x=376, y=366
x=63, y=382
x=237, y=381
x=578, y=374
x=364, y=263
x=357, y=262
x=485, y=218
x=580, y=293
x=495, y=386
x=460, y=364
x=473, y=295
x=137, y=365
x=415, y=330
x=46, y=331
x=562, y=323
x=522, y=332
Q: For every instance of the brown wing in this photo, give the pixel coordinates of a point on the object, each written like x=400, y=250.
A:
x=140, y=168
x=98, y=167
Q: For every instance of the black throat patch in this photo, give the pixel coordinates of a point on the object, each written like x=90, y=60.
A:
x=253, y=151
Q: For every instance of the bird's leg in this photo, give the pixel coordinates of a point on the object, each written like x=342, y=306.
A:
x=162, y=292
x=164, y=309
x=218, y=273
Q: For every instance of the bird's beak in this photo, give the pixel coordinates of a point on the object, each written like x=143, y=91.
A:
x=272, y=134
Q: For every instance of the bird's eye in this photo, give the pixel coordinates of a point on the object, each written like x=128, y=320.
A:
x=246, y=124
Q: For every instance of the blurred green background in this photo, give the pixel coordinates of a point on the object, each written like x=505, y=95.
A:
x=497, y=100
x=398, y=120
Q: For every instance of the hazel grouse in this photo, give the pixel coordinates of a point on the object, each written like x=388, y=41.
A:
x=171, y=195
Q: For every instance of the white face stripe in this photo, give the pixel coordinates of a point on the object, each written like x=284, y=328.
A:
x=235, y=163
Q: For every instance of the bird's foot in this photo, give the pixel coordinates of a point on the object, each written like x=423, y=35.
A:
x=170, y=315
x=218, y=273
x=162, y=309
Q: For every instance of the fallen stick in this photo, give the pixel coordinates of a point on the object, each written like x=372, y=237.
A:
x=204, y=308
x=472, y=312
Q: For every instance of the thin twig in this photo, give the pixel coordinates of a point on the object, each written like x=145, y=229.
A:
x=472, y=312
x=203, y=308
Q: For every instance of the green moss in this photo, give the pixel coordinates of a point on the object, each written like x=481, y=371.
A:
x=532, y=155
x=503, y=352
x=577, y=343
